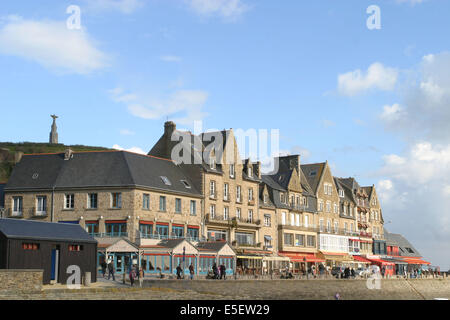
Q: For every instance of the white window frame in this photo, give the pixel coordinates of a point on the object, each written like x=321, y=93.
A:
x=17, y=206
x=69, y=198
x=232, y=171
x=43, y=205
x=225, y=191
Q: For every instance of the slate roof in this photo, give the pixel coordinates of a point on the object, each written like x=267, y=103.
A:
x=312, y=173
x=211, y=245
x=395, y=239
x=170, y=243
x=348, y=194
x=2, y=195
x=29, y=229
x=98, y=169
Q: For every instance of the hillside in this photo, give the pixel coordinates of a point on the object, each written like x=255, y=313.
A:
x=9, y=152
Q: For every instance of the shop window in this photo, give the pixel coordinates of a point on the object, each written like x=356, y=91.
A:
x=75, y=247
x=30, y=246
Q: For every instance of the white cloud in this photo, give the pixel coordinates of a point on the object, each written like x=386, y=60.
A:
x=123, y=6
x=132, y=149
x=424, y=112
x=391, y=113
x=170, y=58
x=52, y=45
x=224, y=8
x=126, y=132
x=377, y=77
x=415, y=195
x=183, y=106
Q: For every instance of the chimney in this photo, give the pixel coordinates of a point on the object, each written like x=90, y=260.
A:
x=169, y=128
x=68, y=154
x=258, y=169
x=18, y=156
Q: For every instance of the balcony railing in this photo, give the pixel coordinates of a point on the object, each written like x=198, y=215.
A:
x=297, y=207
x=217, y=218
x=248, y=220
x=247, y=244
x=300, y=227
x=110, y=234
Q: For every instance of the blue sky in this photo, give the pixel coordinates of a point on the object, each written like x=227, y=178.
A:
x=135, y=63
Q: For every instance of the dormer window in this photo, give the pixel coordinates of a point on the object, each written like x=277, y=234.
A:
x=341, y=193
x=265, y=198
x=212, y=163
x=232, y=171
x=249, y=172
x=166, y=180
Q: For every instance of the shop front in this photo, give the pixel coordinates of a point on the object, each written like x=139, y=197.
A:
x=300, y=262
x=219, y=252
x=386, y=267
x=337, y=259
x=123, y=254
x=275, y=264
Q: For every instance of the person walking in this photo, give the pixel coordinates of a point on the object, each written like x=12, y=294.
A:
x=191, y=271
x=216, y=271
x=353, y=273
x=141, y=277
x=179, y=270
x=111, y=270
x=132, y=275
x=103, y=265
x=222, y=272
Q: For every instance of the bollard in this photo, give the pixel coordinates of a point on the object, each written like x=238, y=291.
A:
x=87, y=279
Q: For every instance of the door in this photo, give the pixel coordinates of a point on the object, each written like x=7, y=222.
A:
x=54, y=264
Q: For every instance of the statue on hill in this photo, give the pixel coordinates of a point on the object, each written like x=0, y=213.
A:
x=54, y=132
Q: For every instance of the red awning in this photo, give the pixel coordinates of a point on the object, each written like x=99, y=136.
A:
x=361, y=259
x=300, y=257
x=373, y=260
x=414, y=260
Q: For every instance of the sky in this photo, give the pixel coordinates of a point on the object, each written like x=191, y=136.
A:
x=373, y=102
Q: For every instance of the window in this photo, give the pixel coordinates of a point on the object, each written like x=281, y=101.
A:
x=320, y=205
x=335, y=209
x=243, y=238
x=215, y=235
x=325, y=186
x=238, y=213
x=69, y=201
x=146, y=201
x=162, y=203
x=283, y=218
x=162, y=231
x=282, y=197
x=30, y=246
x=297, y=220
x=288, y=239
x=250, y=194
x=116, y=229
x=238, y=193
x=193, y=208
x=341, y=193
x=192, y=233
x=212, y=211
x=166, y=180
x=267, y=241
x=92, y=201
x=186, y=184
x=177, y=232
x=265, y=198
x=321, y=225
x=146, y=230
x=336, y=227
x=212, y=163
x=311, y=241
x=226, y=213
x=225, y=191
x=351, y=227
x=75, y=247
x=328, y=206
x=267, y=220
x=409, y=250
x=116, y=200
x=292, y=219
x=306, y=224
x=232, y=171
x=330, y=190
x=250, y=171
x=41, y=204
x=177, y=205
x=92, y=228
x=346, y=227
x=345, y=210
x=300, y=240
x=17, y=205
x=250, y=216
x=212, y=189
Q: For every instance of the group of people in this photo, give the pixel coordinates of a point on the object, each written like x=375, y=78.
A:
x=132, y=274
x=219, y=272
x=180, y=272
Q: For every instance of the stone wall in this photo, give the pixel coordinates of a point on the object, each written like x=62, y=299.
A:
x=25, y=281
x=391, y=289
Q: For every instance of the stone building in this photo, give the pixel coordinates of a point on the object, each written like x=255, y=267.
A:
x=229, y=184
